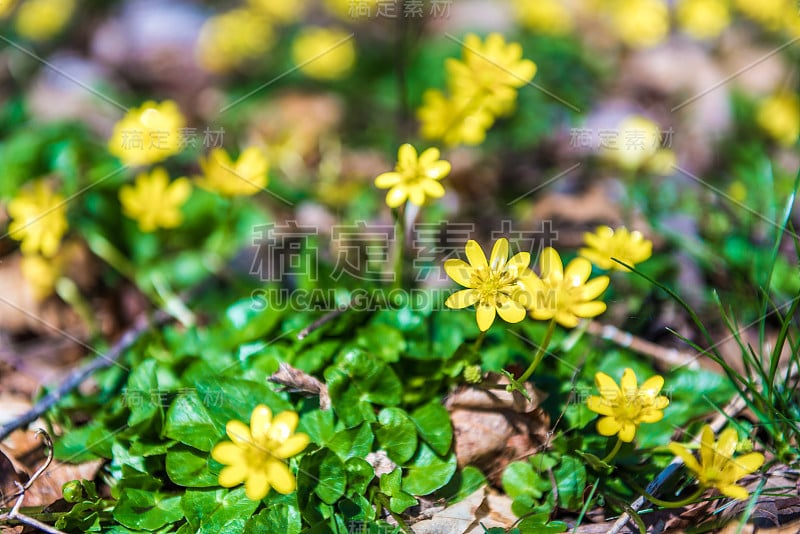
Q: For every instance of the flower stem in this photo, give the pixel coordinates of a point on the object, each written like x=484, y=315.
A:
x=400, y=241
x=665, y=504
x=540, y=352
x=478, y=342
x=613, y=452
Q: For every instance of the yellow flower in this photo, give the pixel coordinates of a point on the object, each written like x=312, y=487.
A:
x=6, y=6
x=147, y=134
x=628, y=247
x=717, y=467
x=256, y=455
x=41, y=275
x=548, y=17
x=626, y=406
x=229, y=39
x=494, y=286
x=414, y=178
x=636, y=142
x=285, y=11
x=246, y=177
x=564, y=294
x=453, y=121
x=154, y=202
x=769, y=13
x=352, y=10
x=39, y=20
x=703, y=19
x=39, y=219
x=640, y=23
x=489, y=72
x=779, y=116
x=324, y=54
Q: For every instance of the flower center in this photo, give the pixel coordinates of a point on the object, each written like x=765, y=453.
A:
x=490, y=283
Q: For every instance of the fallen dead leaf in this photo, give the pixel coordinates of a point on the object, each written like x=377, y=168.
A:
x=481, y=510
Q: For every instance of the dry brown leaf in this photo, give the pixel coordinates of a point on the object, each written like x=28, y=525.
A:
x=47, y=488
x=482, y=508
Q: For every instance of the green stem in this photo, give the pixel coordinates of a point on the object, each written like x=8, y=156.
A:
x=400, y=240
x=613, y=452
x=540, y=352
x=71, y=294
x=478, y=342
x=665, y=504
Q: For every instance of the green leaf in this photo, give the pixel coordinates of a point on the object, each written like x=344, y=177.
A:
x=463, y=484
x=318, y=424
x=281, y=517
x=434, y=426
x=540, y=523
x=571, y=481
x=357, y=381
x=142, y=396
x=189, y=422
x=189, y=467
x=359, y=475
x=382, y=341
x=396, y=434
x=147, y=510
x=519, y=478
x=323, y=471
x=353, y=442
x=428, y=471
x=217, y=511
x=245, y=322
x=390, y=485
x=231, y=398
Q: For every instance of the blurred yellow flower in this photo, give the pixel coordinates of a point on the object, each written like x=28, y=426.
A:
x=147, y=134
x=39, y=20
x=564, y=294
x=548, y=17
x=414, y=178
x=256, y=455
x=353, y=10
x=489, y=72
x=717, y=467
x=283, y=11
x=230, y=39
x=244, y=177
x=768, y=13
x=494, y=286
x=6, y=7
x=779, y=117
x=38, y=219
x=41, y=275
x=636, y=141
x=703, y=19
x=154, y=202
x=453, y=121
x=324, y=53
x=626, y=406
x=640, y=23
x=606, y=243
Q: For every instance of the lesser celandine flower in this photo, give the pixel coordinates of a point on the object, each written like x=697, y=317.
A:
x=324, y=53
x=453, y=120
x=769, y=13
x=41, y=275
x=229, y=39
x=549, y=17
x=489, y=71
x=626, y=246
x=38, y=219
x=637, y=140
x=564, y=295
x=494, y=286
x=626, y=406
x=779, y=116
x=285, y=11
x=244, y=177
x=148, y=134
x=640, y=23
x=39, y=20
x=256, y=455
x=154, y=202
x=415, y=177
x=703, y=19
x=717, y=467
x=353, y=10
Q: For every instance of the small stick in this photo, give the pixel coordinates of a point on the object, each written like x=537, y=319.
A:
x=322, y=321
x=76, y=377
x=15, y=514
x=671, y=357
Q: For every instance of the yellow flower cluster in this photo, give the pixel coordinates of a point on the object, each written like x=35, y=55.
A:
x=39, y=221
x=351, y=10
x=148, y=134
x=779, y=117
x=244, y=177
x=415, y=178
x=509, y=288
x=40, y=20
x=324, y=53
x=639, y=23
x=606, y=244
x=482, y=86
x=256, y=455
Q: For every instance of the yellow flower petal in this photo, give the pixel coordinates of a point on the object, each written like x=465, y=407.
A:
x=734, y=492
x=588, y=309
x=256, y=487
x=396, y=196
x=608, y=426
x=485, y=316
x=432, y=188
x=459, y=270
x=510, y=310
x=233, y=475
x=599, y=405
x=281, y=478
x=651, y=416
x=592, y=289
x=627, y=432
x=475, y=255
x=706, y=445
x=726, y=445
x=628, y=384
x=429, y=157
x=416, y=195
x=438, y=170
x=292, y=446
x=228, y=453
x=578, y=272
x=287, y=419
x=746, y=464
x=388, y=179
x=260, y=422
x=238, y=432
x=684, y=454
x=652, y=386
x=406, y=157
x=606, y=386
x=499, y=255
x=551, y=268
x=519, y=263
x=462, y=299
x=566, y=319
